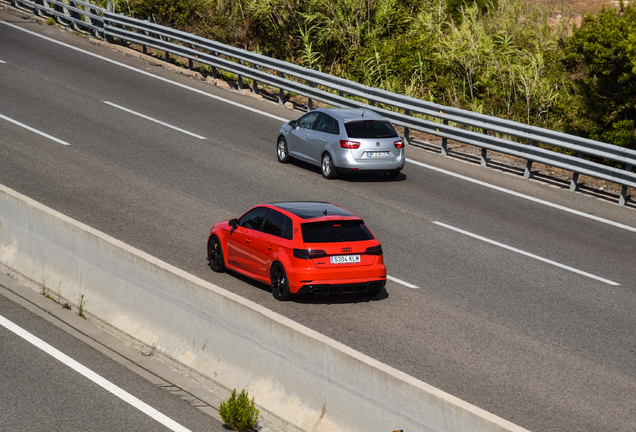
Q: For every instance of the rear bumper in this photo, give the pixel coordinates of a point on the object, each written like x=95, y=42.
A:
x=370, y=287
x=345, y=161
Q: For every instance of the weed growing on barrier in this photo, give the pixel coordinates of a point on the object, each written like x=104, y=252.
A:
x=50, y=21
x=238, y=412
x=80, y=309
x=58, y=300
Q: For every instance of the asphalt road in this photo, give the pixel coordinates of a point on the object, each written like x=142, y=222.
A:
x=40, y=391
x=546, y=347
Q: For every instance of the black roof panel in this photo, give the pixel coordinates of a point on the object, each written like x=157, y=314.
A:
x=312, y=209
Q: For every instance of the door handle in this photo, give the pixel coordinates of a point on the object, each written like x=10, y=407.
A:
x=324, y=140
x=248, y=240
x=270, y=247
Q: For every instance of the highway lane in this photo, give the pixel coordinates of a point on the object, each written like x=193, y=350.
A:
x=43, y=391
x=537, y=345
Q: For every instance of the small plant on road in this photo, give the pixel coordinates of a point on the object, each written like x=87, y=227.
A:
x=238, y=412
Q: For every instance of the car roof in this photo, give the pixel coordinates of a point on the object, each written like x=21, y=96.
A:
x=315, y=210
x=350, y=114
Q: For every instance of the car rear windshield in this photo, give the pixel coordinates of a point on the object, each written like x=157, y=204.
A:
x=370, y=129
x=335, y=231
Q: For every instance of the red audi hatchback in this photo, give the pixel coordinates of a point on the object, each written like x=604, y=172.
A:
x=300, y=247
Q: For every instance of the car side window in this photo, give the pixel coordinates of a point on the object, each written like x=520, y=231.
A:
x=327, y=124
x=335, y=129
x=275, y=223
x=307, y=121
x=254, y=218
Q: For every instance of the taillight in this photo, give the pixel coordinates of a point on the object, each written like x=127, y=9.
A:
x=374, y=250
x=309, y=253
x=399, y=144
x=349, y=144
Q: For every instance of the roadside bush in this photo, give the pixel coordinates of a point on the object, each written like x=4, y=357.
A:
x=238, y=412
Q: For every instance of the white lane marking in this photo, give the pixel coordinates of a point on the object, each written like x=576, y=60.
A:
x=527, y=254
x=34, y=130
x=520, y=195
x=406, y=284
x=154, y=120
x=107, y=385
x=201, y=92
x=1, y=61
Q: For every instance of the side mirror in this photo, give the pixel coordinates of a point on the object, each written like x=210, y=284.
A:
x=293, y=124
x=233, y=222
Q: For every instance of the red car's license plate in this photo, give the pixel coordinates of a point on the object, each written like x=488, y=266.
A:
x=345, y=259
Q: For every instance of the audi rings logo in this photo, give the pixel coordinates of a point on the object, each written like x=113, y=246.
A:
x=347, y=249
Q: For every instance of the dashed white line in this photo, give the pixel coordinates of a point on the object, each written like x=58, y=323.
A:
x=166, y=80
x=97, y=379
x=520, y=195
x=501, y=245
x=154, y=120
x=52, y=138
x=401, y=282
x=1, y=61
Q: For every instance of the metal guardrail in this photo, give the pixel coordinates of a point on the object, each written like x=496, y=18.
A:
x=411, y=113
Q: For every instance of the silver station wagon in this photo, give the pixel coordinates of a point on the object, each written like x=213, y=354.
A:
x=343, y=140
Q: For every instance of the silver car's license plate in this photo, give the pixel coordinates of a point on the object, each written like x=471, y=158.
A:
x=345, y=259
x=377, y=154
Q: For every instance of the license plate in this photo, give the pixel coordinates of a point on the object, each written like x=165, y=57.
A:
x=345, y=259
x=377, y=154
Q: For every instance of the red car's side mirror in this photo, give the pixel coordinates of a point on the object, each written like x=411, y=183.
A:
x=233, y=222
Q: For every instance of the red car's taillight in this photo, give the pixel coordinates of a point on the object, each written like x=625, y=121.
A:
x=399, y=144
x=309, y=253
x=349, y=144
x=374, y=250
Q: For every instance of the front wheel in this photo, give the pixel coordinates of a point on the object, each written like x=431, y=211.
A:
x=282, y=151
x=328, y=170
x=280, y=284
x=215, y=255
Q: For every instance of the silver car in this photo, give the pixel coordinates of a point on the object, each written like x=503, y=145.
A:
x=341, y=140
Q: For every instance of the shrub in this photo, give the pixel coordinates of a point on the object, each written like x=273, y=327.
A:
x=238, y=412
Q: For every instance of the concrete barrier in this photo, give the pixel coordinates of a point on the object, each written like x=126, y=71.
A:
x=297, y=376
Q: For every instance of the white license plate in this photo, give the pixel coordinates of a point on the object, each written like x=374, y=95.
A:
x=345, y=259
x=376, y=154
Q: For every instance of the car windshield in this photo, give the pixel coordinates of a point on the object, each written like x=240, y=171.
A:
x=335, y=231
x=370, y=129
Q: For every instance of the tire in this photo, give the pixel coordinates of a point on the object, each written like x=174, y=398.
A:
x=282, y=151
x=280, y=283
x=327, y=168
x=392, y=174
x=215, y=255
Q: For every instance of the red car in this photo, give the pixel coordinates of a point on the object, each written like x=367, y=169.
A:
x=300, y=248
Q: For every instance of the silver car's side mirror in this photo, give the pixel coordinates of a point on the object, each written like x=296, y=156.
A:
x=293, y=124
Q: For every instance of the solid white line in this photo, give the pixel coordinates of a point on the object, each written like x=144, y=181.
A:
x=166, y=80
x=520, y=195
x=527, y=254
x=1, y=61
x=153, y=120
x=34, y=130
x=406, y=284
x=107, y=385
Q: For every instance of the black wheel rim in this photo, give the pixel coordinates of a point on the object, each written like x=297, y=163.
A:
x=216, y=254
x=277, y=281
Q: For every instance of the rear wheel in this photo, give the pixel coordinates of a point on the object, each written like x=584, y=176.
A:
x=215, y=255
x=328, y=170
x=282, y=151
x=280, y=284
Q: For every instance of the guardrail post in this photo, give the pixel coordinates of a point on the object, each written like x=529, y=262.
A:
x=215, y=73
x=622, y=199
x=444, y=151
x=528, y=173
x=281, y=93
x=574, y=183
x=239, y=80
x=44, y=3
x=255, y=83
x=310, y=101
x=407, y=131
x=484, y=152
x=167, y=57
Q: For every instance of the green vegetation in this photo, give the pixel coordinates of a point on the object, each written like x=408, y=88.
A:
x=506, y=58
x=238, y=412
